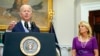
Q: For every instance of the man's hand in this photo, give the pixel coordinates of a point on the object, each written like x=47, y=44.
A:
x=11, y=25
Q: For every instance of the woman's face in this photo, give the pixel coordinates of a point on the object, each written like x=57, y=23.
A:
x=83, y=29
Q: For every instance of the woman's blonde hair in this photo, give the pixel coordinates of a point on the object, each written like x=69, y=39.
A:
x=87, y=25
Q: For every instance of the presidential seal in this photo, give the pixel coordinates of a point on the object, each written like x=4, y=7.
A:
x=30, y=46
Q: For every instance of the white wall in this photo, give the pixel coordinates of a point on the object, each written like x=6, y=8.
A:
x=77, y=15
x=67, y=16
x=64, y=20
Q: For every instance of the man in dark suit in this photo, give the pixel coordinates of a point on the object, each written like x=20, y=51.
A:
x=25, y=24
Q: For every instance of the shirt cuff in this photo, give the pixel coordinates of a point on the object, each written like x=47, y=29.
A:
x=8, y=30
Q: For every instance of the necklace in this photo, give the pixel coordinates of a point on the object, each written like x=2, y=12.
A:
x=83, y=43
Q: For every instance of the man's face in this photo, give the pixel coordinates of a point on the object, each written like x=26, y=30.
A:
x=26, y=13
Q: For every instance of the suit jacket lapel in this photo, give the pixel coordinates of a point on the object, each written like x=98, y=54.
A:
x=21, y=27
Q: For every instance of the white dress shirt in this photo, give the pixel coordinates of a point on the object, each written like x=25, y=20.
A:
x=29, y=25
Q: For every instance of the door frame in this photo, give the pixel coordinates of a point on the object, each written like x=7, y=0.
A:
x=86, y=7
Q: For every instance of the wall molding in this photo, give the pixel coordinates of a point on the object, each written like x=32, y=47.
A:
x=86, y=7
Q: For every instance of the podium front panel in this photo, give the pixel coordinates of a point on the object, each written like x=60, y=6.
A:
x=12, y=43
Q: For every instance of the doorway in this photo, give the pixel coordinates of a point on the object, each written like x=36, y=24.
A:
x=94, y=20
